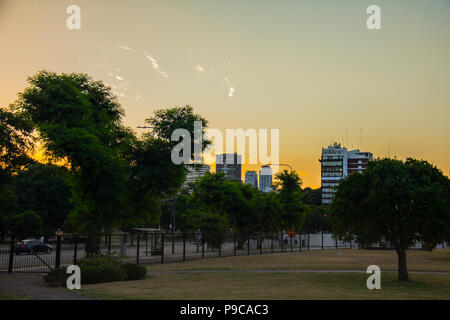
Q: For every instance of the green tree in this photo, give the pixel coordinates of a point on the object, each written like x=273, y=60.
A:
x=269, y=210
x=399, y=202
x=153, y=177
x=212, y=192
x=25, y=224
x=241, y=211
x=16, y=140
x=16, y=143
x=212, y=226
x=80, y=120
x=312, y=196
x=45, y=190
x=290, y=194
x=316, y=220
x=8, y=200
x=166, y=121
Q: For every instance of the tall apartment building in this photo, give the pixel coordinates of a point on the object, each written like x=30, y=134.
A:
x=337, y=163
x=195, y=172
x=265, y=179
x=230, y=164
x=251, y=178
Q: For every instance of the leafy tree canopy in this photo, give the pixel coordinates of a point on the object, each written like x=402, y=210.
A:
x=290, y=195
x=25, y=224
x=16, y=141
x=396, y=201
x=79, y=119
x=45, y=190
x=166, y=121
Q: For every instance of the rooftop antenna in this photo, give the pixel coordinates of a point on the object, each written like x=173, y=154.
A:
x=389, y=150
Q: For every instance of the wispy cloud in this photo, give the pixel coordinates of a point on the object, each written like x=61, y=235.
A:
x=126, y=48
x=230, y=87
x=199, y=69
x=156, y=67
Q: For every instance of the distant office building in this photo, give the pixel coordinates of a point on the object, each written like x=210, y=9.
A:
x=230, y=164
x=265, y=179
x=251, y=178
x=195, y=172
x=337, y=163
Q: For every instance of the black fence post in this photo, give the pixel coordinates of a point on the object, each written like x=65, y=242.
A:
x=11, y=254
x=184, y=246
x=308, y=241
x=322, y=240
x=336, y=243
x=248, y=245
x=162, y=248
x=173, y=242
x=234, y=243
x=203, y=246
x=260, y=243
x=271, y=243
x=58, y=252
x=351, y=244
x=109, y=243
x=220, y=249
x=292, y=240
x=138, y=238
x=75, y=250
x=300, y=241
x=282, y=243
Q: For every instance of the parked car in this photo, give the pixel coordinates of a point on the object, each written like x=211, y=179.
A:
x=31, y=246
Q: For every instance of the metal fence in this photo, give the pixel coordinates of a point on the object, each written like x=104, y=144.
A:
x=19, y=255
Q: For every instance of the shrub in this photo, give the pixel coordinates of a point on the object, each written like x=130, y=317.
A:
x=134, y=271
x=101, y=269
x=57, y=277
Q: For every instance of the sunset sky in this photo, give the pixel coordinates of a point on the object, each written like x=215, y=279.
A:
x=311, y=69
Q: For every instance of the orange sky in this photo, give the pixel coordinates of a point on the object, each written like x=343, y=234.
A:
x=308, y=68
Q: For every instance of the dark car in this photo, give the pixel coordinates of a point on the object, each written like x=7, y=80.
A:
x=31, y=246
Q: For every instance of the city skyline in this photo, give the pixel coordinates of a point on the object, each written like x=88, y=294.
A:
x=323, y=77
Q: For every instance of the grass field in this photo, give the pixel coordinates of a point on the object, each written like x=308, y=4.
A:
x=4, y=295
x=346, y=259
x=271, y=285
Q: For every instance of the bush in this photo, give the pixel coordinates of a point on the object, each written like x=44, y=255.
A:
x=134, y=271
x=101, y=269
x=57, y=277
x=97, y=270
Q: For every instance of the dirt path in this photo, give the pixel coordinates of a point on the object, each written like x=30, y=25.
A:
x=33, y=287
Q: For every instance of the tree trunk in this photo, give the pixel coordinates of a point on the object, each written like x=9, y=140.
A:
x=402, y=267
x=92, y=245
x=240, y=242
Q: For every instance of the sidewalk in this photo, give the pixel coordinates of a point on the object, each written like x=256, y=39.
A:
x=32, y=286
